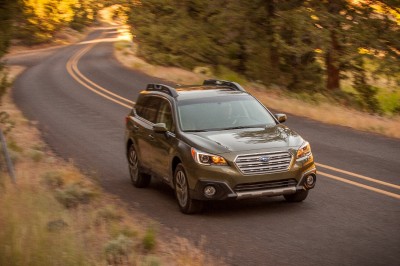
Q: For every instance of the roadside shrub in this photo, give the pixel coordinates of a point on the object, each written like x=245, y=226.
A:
x=12, y=145
x=53, y=179
x=108, y=213
x=118, y=250
x=36, y=156
x=149, y=239
x=74, y=194
x=126, y=231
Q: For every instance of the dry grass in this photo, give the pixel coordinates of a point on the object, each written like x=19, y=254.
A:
x=324, y=112
x=38, y=227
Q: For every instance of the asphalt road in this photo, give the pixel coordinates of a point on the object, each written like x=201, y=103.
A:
x=78, y=96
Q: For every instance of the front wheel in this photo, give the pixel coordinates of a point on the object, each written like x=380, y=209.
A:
x=186, y=204
x=299, y=196
x=138, y=178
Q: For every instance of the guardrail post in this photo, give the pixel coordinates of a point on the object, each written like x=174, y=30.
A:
x=10, y=166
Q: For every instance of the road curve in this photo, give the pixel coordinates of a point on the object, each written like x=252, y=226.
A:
x=352, y=217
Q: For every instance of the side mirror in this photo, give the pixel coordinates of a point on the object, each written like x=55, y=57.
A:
x=281, y=117
x=160, y=128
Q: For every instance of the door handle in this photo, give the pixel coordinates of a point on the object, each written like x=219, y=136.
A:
x=151, y=137
x=135, y=127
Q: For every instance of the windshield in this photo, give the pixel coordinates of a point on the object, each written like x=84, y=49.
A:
x=222, y=113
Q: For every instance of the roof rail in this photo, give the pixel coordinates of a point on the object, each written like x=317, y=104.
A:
x=162, y=88
x=230, y=84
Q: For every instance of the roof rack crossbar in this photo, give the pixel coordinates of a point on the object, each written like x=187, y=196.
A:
x=162, y=88
x=230, y=84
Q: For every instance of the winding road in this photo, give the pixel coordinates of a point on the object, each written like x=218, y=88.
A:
x=80, y=95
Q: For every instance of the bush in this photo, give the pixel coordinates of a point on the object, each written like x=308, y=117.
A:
x=149, y=239
x=117, y=250
x=109, y=213
x=53, y=179
x=36, y=156
x=74, y=194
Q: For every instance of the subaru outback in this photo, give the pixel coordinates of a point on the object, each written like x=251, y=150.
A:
x=215, y=141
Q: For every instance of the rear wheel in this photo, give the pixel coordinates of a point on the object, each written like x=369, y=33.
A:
x=299, y=196
x=138, y=178
x=186, y=204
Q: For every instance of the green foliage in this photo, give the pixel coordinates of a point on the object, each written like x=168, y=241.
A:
x=299, y=45
x=227, y=74
x=7, y=11
x=149, y=239
x=4, y=83
x=6, y=123
x=37, y=21
x=389, y=102
x=85, y=12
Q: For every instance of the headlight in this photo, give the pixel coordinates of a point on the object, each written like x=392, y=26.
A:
x=206, y=158
x=304, y=150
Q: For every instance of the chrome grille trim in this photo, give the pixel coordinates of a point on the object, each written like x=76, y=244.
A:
x=250, y=164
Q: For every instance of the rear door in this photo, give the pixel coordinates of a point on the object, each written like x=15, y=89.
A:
x=144, y=136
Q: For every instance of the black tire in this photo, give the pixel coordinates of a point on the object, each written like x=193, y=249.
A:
x=299, y=196
x=138, y=178
x=185, y=203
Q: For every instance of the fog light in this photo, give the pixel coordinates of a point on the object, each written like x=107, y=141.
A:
x=310, y=180
x=209, y=191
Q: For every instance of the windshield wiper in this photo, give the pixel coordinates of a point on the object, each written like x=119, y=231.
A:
x=241, y=127
x=195, y=130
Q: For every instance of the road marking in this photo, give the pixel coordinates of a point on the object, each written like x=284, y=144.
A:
x=390, y=194
x=73, y=70
x=357, y=175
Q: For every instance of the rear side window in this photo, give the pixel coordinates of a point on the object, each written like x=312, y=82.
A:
x=147, y=108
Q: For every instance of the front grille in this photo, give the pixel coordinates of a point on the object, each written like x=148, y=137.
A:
x=265, y=185
x=263, y=163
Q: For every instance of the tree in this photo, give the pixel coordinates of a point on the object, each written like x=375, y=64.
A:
x=308, y=45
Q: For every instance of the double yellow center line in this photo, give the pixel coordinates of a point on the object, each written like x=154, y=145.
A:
x=73, y=70
x=369, y=179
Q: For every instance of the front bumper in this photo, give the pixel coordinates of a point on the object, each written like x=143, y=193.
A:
x=231, y=184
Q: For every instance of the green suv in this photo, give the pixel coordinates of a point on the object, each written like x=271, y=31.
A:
x=215, y=141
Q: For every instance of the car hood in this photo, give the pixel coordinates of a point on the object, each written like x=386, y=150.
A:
x=278, y=137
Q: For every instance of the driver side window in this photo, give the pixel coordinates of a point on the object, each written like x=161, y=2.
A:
x=165, y=115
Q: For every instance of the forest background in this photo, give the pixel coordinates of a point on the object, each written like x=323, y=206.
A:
x=342, y=51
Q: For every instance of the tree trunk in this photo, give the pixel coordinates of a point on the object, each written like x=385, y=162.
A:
x=270, y=31
x=332, y=64
x=333, y=78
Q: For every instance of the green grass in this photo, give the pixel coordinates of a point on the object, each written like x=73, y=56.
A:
x=389, y=101
x=225, y=73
